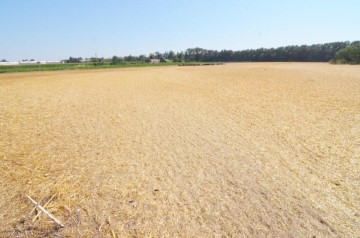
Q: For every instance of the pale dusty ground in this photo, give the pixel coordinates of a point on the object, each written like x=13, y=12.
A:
x=236, y=150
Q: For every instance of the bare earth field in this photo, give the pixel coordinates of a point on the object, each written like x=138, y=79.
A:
x=235, y=150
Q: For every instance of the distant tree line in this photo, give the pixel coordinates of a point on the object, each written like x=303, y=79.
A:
x=130, y=58
x=335, y=52
x=74, y=60
x=303, y=53
x=163, y=57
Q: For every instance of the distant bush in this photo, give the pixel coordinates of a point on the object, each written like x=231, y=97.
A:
x=117, y=60
x=348, y=55
x=72, y=60
x=177, y=60
x=97, y=61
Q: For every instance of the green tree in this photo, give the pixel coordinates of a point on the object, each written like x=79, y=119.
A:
x=116, y=60
x=142, y=58
x=171, y=55
x=97, y=61
x=349, y=55
x=74, y=60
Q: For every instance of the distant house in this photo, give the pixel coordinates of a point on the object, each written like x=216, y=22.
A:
x=29, y=62
x=51, y=62
x=154, y=61
x=86, y=60
x=9, y=63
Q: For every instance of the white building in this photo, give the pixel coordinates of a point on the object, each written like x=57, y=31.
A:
x=10, y=63
x=154, y=61
x=29, y=62
x=50, y=62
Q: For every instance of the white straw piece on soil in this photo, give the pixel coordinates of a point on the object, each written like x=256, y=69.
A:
x=37, y=215
x=45, y=212
x=78, y=213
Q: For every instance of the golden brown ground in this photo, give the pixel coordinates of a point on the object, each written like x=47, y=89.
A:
x=236, y=150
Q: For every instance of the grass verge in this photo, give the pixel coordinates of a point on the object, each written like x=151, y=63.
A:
x=55, y=67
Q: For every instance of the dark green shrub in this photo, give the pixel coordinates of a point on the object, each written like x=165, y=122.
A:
x=349, y=55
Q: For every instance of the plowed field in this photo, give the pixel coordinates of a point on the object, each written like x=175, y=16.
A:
x=235, y=150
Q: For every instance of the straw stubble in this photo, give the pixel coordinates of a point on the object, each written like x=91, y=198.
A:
x=254, y=149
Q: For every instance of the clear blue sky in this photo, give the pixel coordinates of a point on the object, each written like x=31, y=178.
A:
x=49, y=29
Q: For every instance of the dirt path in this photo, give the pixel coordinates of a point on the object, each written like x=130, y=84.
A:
x=234, y=150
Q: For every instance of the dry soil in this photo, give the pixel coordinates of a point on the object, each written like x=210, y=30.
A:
x=235, y=150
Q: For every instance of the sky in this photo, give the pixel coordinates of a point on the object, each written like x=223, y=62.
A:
x=54, y=30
